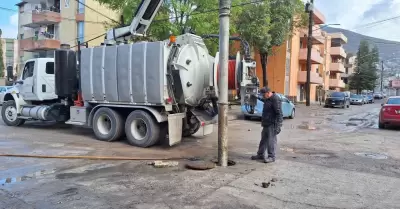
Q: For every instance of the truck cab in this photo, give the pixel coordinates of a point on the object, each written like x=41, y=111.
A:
x=37, y=81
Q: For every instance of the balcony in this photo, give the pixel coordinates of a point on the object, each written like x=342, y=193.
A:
x=315, y=56
x=338, y=52
x=338, y=37
x=336, y=83
x=318, y=17
x=337, y=67
x=317, y=37
x=315, y=78
x=39, y=43
x=38, y=18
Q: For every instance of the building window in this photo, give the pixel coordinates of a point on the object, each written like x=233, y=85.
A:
x=81, y=32
x=81, y=7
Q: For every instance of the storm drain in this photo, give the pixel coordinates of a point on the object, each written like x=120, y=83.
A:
x=372, y=155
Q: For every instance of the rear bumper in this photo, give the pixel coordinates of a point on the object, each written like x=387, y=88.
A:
x=390, y=121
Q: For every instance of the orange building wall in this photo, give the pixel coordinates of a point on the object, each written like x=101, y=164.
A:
x=275, y=69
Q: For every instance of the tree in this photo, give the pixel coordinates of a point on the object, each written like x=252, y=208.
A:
x=1, y=57
x=268, y=24
x=365, y=73
x=176, y=16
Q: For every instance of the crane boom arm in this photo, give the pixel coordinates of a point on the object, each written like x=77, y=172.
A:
x=142, y=19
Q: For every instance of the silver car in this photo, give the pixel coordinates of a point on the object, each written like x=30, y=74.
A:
x=3, y=90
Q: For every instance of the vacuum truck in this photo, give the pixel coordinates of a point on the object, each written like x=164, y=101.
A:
x=146, y=91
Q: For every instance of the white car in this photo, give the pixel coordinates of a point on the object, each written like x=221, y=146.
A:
x=3, y=90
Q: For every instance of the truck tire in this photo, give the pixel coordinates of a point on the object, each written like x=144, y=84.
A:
x=141, y=129
x=9, y=114
x=108, y=124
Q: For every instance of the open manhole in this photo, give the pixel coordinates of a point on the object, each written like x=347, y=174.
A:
x=372, y=155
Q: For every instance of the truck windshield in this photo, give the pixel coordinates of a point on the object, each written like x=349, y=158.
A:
x=393, y=101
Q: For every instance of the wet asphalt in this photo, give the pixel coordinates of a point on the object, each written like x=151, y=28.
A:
x=340, y=140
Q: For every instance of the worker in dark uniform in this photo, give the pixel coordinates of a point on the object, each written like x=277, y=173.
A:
x=272, y=118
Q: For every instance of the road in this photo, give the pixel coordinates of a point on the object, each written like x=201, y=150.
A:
x=328, y=158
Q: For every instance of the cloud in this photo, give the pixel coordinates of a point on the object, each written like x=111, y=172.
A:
x=11, y=29
x=14, y=20
x=354, y=15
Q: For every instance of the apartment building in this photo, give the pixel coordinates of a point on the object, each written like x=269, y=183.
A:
x=46, y=24
x=10, y=54
x=337, y=67
x=349, y=67
x=287, y=70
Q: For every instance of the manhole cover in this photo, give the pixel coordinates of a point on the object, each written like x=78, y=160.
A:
x=200, y=165
x=372, y=155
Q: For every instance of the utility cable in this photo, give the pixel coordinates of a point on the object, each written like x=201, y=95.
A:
x=91, y=157
x=97, y=12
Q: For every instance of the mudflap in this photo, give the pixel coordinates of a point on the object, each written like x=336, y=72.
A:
x=175, y=128
x=206, y=121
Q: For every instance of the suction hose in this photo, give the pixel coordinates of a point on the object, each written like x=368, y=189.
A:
x=90, y=157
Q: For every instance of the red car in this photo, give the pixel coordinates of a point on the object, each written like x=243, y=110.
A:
x=390, y=112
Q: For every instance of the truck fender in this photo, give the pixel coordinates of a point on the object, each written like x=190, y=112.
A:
x=19, y=101
x=157, y=115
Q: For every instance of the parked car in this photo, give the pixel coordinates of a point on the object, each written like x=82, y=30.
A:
x=288, y=108
x=378, y=96
x=356, y=99
x=390, y=112
x=3, y=90
x=370, y=99
x=338, y=99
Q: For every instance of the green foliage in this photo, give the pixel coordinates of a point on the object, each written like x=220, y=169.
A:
x=365, y=73
x=268, y=24
x=1, y=57
x=177, y=15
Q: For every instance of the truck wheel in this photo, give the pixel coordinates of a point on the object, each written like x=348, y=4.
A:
x=10, y=115
x=141, y=129
x=107, y=124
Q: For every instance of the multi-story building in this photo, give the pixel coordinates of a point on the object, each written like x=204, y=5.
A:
x=337, y=66
x=349, y=66
x=287, y=70
x=46, y=24
x=10, y=54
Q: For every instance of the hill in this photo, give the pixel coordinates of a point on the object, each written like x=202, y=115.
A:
x=388, y=50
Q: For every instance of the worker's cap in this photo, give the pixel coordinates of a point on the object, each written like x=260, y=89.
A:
x=265, y=90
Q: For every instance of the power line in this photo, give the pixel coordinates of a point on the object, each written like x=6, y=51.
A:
x=188, y=15
x=97, y=12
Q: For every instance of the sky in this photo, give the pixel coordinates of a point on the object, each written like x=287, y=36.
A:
x=350, y=14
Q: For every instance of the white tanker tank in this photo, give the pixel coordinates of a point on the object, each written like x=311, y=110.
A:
x=148, y=73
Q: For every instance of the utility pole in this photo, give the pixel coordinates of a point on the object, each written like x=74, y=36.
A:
x=310, y=10
x=382, y=77
x=224, y=13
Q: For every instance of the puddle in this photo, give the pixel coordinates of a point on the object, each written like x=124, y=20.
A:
x=12, y=180
x=358, y=119
x=372, y=155
x=321, y=155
